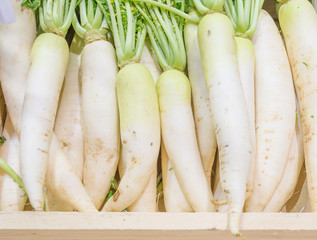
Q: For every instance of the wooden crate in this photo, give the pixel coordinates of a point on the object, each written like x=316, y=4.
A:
x=211, y=226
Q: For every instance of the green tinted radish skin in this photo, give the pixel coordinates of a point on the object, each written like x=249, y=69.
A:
x=201, y=105
x=298, y=21
x=100, y=118
x=174, y=198
x=68, y=127
x=229, y=110
x=246, y=64
x=275, y=111
x=179, y=137
x=293, y=168
x=16, y=41
x=12, y=197
x=147, y=201
x=140, y=133
x=49, y=58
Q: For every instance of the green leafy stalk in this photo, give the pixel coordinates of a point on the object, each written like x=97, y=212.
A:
x=92, y=25
x=55, y=15
x=16, y=178
x=206, y=6
x=165, y=30
x=33, y=4
x=113, y=188
x=244, y=15
x=127, y=27
x=171, y=9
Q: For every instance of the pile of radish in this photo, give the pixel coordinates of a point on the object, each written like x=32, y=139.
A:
x=147, y=105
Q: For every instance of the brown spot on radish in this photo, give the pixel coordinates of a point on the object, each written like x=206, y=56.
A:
x=266, y=157
x=151, y=144
x=124, y=141
x=208, y=33
x=226, y=145
x=43, y=151
x=134, y=133
x=110, y=158
x=116, y=195
x=133, y=161
x=199, y=119
x=267, y=149
x=259, y=185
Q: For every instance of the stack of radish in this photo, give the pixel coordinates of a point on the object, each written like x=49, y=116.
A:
x=85, y=124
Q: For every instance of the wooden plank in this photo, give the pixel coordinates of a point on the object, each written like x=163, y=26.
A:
x=56, y=225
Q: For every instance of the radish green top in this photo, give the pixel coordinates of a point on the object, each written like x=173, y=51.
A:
x=244, y=15
x=127, y=27
x=165, y=30
x=55, y=15
x=92, y=25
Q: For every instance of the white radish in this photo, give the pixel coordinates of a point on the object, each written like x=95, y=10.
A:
x=206, y=137
x=13, y=198
x=16, y=41
x=140, y=133
x=147, y=201
x=16, y=77
x=219, y=195
x=49, y=59
x=62, y=180
x=298, y=21
x=174, y=198
x=229, y=110
x=100, y=118
x=293, y=168
x=99, y=103
x=246, y=63
x=68, y=127
x=180, y=141
x=275, y=111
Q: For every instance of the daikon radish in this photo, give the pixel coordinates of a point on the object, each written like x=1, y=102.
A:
x=68, y=127
x=147, y=201
x=174, y=199
x=16, y=41
x=13, y=197
x=138, y=105
x=229, y=109
x=293, y=168
x=298, y=21
x=174, y=95
x=244, y=16
x=219, y=195
x=275, y=111
x=99, y=102
x=201, y=105
x=49, y=59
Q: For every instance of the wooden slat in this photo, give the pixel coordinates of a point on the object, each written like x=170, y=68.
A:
x=255, y=226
